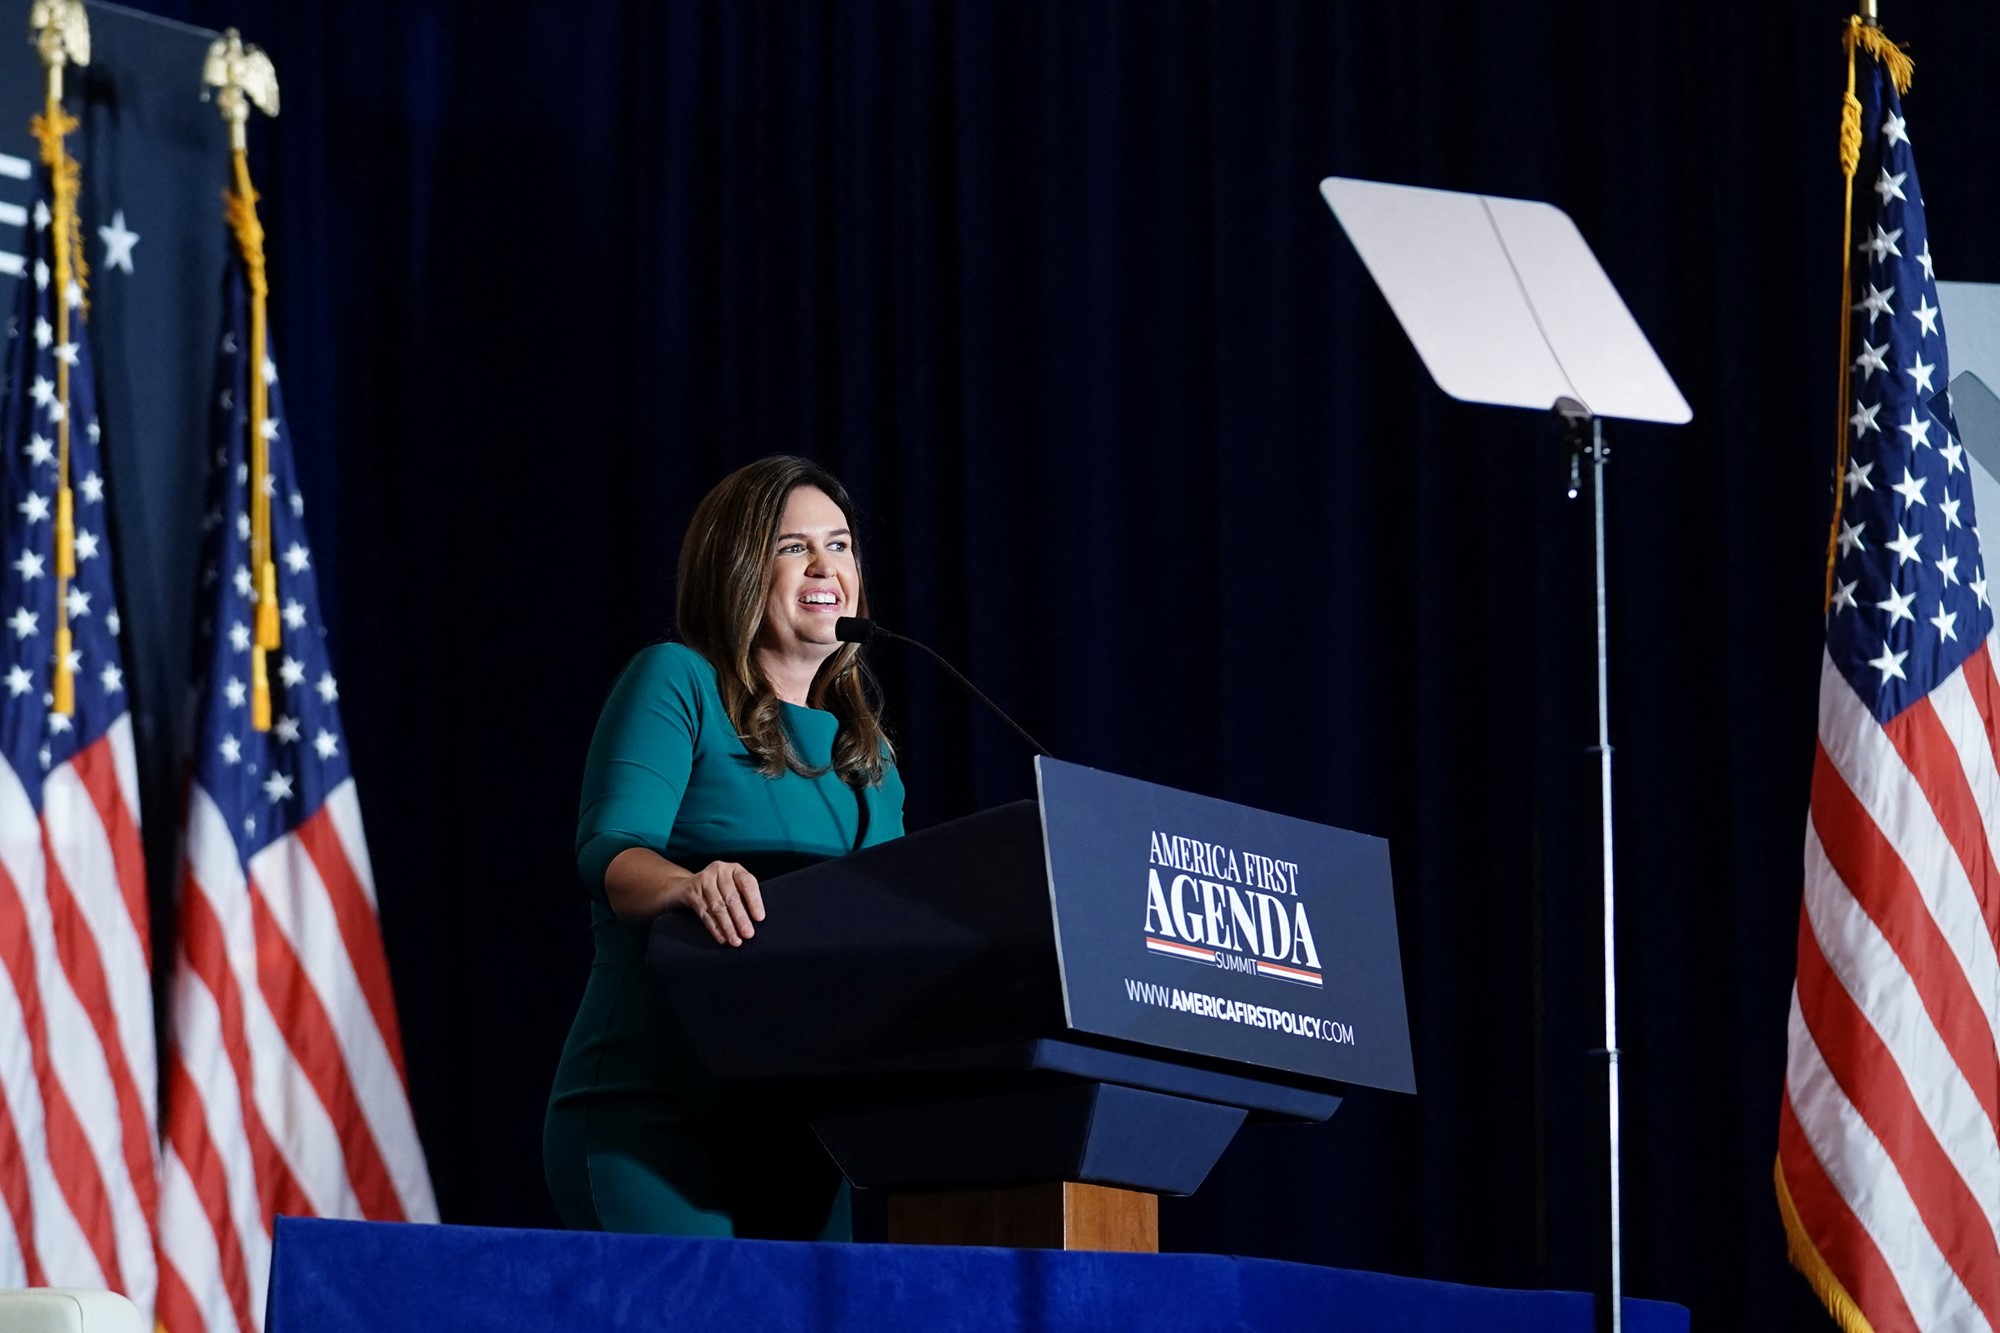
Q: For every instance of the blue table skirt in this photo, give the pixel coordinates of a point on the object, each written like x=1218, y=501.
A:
x=336, y=1277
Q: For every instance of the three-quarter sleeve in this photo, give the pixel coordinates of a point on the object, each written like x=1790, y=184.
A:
x=640, y=758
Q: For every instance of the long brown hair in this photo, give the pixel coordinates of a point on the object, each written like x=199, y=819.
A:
x=722, y=584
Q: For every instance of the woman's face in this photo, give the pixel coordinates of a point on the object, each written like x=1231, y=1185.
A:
x=814, y=580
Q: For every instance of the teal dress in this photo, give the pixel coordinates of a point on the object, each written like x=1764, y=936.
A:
x=638, y=1137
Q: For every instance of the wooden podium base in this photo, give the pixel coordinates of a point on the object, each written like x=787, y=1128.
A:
x=1062, y=1215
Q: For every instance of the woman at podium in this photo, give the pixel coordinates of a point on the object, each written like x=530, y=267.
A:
x=748, y=748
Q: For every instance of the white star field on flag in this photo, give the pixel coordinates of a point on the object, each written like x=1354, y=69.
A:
x=1910, y=599
x=34, y=738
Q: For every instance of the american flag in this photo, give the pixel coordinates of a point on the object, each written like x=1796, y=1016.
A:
x=77, y=1071
x=285, y=1083
x=1888, y=1169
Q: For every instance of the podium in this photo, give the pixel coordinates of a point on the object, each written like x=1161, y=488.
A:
x=1029, y=1023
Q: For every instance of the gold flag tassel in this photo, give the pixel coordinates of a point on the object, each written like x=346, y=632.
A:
x=1864, y=36
x=61, y=35
x=242, y=75
x=1805, y=1257
x=260, y=689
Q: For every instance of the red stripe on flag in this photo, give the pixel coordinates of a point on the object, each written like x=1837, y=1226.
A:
x=359, y=930
x=97, y=767
x=188, y=1133
x=1920, y=738
x=174, y=1306
x=76, y=949
x=70, y=1157
x=278, y=1190
x=309, y=1031
x=14, y=1184
x=1867, y=1072
x=1881, y=883
x=1836, y=1233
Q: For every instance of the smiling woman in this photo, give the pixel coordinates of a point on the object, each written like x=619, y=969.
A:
x=750, y=748
x=769, y=536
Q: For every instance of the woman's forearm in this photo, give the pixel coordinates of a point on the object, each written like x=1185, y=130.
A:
x=640, y=884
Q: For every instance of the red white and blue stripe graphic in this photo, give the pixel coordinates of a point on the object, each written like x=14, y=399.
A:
x=1286, y=972
x=1196, y=953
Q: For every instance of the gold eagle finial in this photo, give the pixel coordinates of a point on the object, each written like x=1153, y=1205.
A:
x=242, y=77
x=60, y=31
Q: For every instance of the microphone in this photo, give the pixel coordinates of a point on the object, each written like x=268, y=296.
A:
x=859, y=629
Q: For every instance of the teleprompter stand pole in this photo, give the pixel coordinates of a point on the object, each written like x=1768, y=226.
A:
x=1492, y=329
x=1583, y=431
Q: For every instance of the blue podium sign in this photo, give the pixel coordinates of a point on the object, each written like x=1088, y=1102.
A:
x=1219, y=930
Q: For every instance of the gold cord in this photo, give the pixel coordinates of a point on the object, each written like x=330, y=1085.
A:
x=240, y=207
x=1860, y=36
x=66, y=245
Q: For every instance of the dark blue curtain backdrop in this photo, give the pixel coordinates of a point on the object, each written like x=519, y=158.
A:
x=1136, y=442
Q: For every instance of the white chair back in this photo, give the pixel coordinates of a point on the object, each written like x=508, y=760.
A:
x=67, y=1310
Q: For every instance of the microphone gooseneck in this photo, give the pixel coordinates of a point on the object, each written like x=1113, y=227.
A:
x=859, y=629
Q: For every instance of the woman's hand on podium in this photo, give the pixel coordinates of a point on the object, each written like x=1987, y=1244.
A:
x=640, y=884
x=726, y=898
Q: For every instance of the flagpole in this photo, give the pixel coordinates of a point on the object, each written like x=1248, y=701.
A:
x=61, y=34
x=242, y=76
